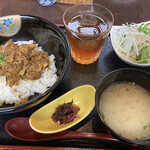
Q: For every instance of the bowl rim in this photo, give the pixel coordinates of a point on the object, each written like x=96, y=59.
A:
x=27, y=105
x=97, y=99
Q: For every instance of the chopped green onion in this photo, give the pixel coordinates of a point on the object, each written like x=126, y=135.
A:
x=145, y=127
x=143, y=57
x=127, y=82
x=144, y=28
x=123, y=53
x=102, y=115
x=2, y=56
x=131, y=48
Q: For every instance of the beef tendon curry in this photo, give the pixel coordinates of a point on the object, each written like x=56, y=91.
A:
x=25, y=69
x=21, y=62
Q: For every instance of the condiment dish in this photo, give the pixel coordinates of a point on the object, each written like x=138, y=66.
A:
x=82, y=96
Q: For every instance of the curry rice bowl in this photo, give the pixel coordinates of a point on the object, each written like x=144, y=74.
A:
x=25, y=88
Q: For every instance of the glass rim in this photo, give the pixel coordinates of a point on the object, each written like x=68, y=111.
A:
x=89, y=4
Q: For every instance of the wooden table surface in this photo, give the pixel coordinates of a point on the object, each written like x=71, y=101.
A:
x=123, y=11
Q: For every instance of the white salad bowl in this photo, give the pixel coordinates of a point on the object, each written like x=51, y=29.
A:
x=115, y=40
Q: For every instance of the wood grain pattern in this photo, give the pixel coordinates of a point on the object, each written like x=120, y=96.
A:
x=74, y=1
x=43, y=148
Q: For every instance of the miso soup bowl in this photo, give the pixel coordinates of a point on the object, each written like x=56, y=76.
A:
x=127, y=74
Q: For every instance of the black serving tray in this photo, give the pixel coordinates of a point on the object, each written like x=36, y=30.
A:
x=77, y=75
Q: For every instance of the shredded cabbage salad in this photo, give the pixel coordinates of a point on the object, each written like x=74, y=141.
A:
x=133, y=42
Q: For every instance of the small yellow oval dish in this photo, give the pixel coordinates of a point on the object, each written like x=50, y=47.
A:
x=82, y=96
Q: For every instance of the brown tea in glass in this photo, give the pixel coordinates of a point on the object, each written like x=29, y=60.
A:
x=86, y=32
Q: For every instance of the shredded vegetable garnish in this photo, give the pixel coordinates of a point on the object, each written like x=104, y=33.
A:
x=133, y=42
x=65, y=113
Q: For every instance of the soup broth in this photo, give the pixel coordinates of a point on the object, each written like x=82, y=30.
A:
x=125, y=108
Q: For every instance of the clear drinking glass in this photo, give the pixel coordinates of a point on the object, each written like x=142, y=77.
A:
x=87, y=26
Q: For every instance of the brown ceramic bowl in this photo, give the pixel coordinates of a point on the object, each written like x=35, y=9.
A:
x=46, y=34
x=127, y=74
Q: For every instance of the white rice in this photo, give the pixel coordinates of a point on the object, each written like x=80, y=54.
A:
x=14, y=94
